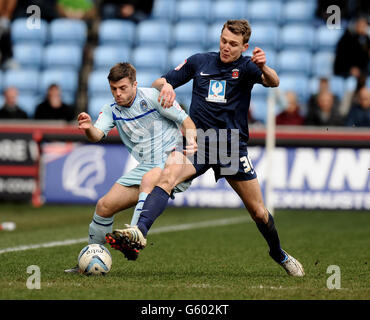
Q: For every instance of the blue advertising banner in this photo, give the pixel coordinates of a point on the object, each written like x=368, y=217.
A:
x=326, y=178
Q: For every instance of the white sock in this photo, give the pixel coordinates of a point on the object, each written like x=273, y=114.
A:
x=98, y=228
x=138, y=208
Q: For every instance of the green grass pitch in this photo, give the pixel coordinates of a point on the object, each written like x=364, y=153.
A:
x=221, y=262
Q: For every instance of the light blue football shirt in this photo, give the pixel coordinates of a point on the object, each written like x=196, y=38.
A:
x=148, y=130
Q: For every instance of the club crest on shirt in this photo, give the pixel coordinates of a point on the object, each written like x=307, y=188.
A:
x=217, y=91
x=144, y=106
x=235, y=73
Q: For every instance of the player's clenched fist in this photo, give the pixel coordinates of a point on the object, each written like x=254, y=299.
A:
x=84, y=121
x=259, y=57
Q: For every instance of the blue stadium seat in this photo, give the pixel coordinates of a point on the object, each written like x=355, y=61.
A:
x=297, y=83
x=223, y=10
x=271, y=56
x=266, y=11
x=213, y=35
x=155, y=32
x=105, y=56
x=145, y=78
x=118, y=32
x=96, y=103
x=164, y=10
x=259, y=91
x=298, y=11
x=265, y=35
x=29, y=102
x=192, y=10
x=20, y=32
x=337, y=85
x=258, y=107
x=323, y=62
x=190, y=33
x=297, y=61
x=28, y=55
x=327, y=39
x=63, y=56
x=297, y=36
x=1, y=81
x=178, y=55
x=150, y=58
x=66, y=79
x=68, y=31
x=25, y=80
x=98, y=83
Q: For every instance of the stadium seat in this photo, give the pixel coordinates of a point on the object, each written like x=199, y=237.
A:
x=323, y=62
x=150, y=58
x=265, y=35
x=29, y=102
x=213, y=35
x=327, y=39
x=145, y=78
x=164, y=10
x=297, y=61
x=258, y=108
x=20, y=32
x=98, y=83
x=298, y=11
x=105, y=56
x=190, y=33
x=96, y=103
x=117, y=32
x=149, y=32
x=25, y=80
x=66, y=79
x=193, y=10
x=297, y=83
x=259, y=91
x=271, y=55
x=223, y=10
x=1, y=81
x=68, y=31
x=63, y=56
x=264, y=11
x=178, y=55
x=294, y=36
x=28, y=55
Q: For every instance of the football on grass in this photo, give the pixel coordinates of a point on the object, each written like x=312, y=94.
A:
x=94, y=259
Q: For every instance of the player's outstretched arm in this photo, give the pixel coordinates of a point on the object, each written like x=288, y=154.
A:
x=190, y=132
x=85, y=123
x=269, y=75
x=167, y=95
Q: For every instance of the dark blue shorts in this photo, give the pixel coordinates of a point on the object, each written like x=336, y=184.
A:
x=231, y=163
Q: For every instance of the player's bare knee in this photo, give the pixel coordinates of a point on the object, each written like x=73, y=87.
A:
x=167, y=180
x=103, y=209
x=259, y=215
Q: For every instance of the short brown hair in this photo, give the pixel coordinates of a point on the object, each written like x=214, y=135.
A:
x=237, y=27
x=122, y=70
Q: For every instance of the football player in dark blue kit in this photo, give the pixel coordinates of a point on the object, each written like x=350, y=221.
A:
x=222, y=84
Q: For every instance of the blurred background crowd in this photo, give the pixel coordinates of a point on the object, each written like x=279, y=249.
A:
x=55, y=67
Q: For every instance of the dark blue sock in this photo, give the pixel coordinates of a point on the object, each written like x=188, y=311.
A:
x=153, y=206
x=269, y=232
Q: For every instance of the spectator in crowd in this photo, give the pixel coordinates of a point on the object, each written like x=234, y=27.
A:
x=353, y=51
x=324, y=111
x=77, y=9
x=53, y=108
x=324, y=86
x=134, y=10
x=359, y=114
x=7, y=8
x=291, y=114
x=10, y=109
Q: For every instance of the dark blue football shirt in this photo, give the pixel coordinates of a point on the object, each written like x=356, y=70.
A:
x=221, y=92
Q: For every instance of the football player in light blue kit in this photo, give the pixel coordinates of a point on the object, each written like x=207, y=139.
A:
x=150, y=133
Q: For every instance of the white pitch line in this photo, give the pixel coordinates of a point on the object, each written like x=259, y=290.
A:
x=179, y=227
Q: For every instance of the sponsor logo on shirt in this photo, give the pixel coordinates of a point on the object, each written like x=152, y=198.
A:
x=217, y=91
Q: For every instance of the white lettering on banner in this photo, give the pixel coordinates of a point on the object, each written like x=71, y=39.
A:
x=350, y=167
x=83, y=169
x=17, y=185
x=311, y=166
x=13, y=150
